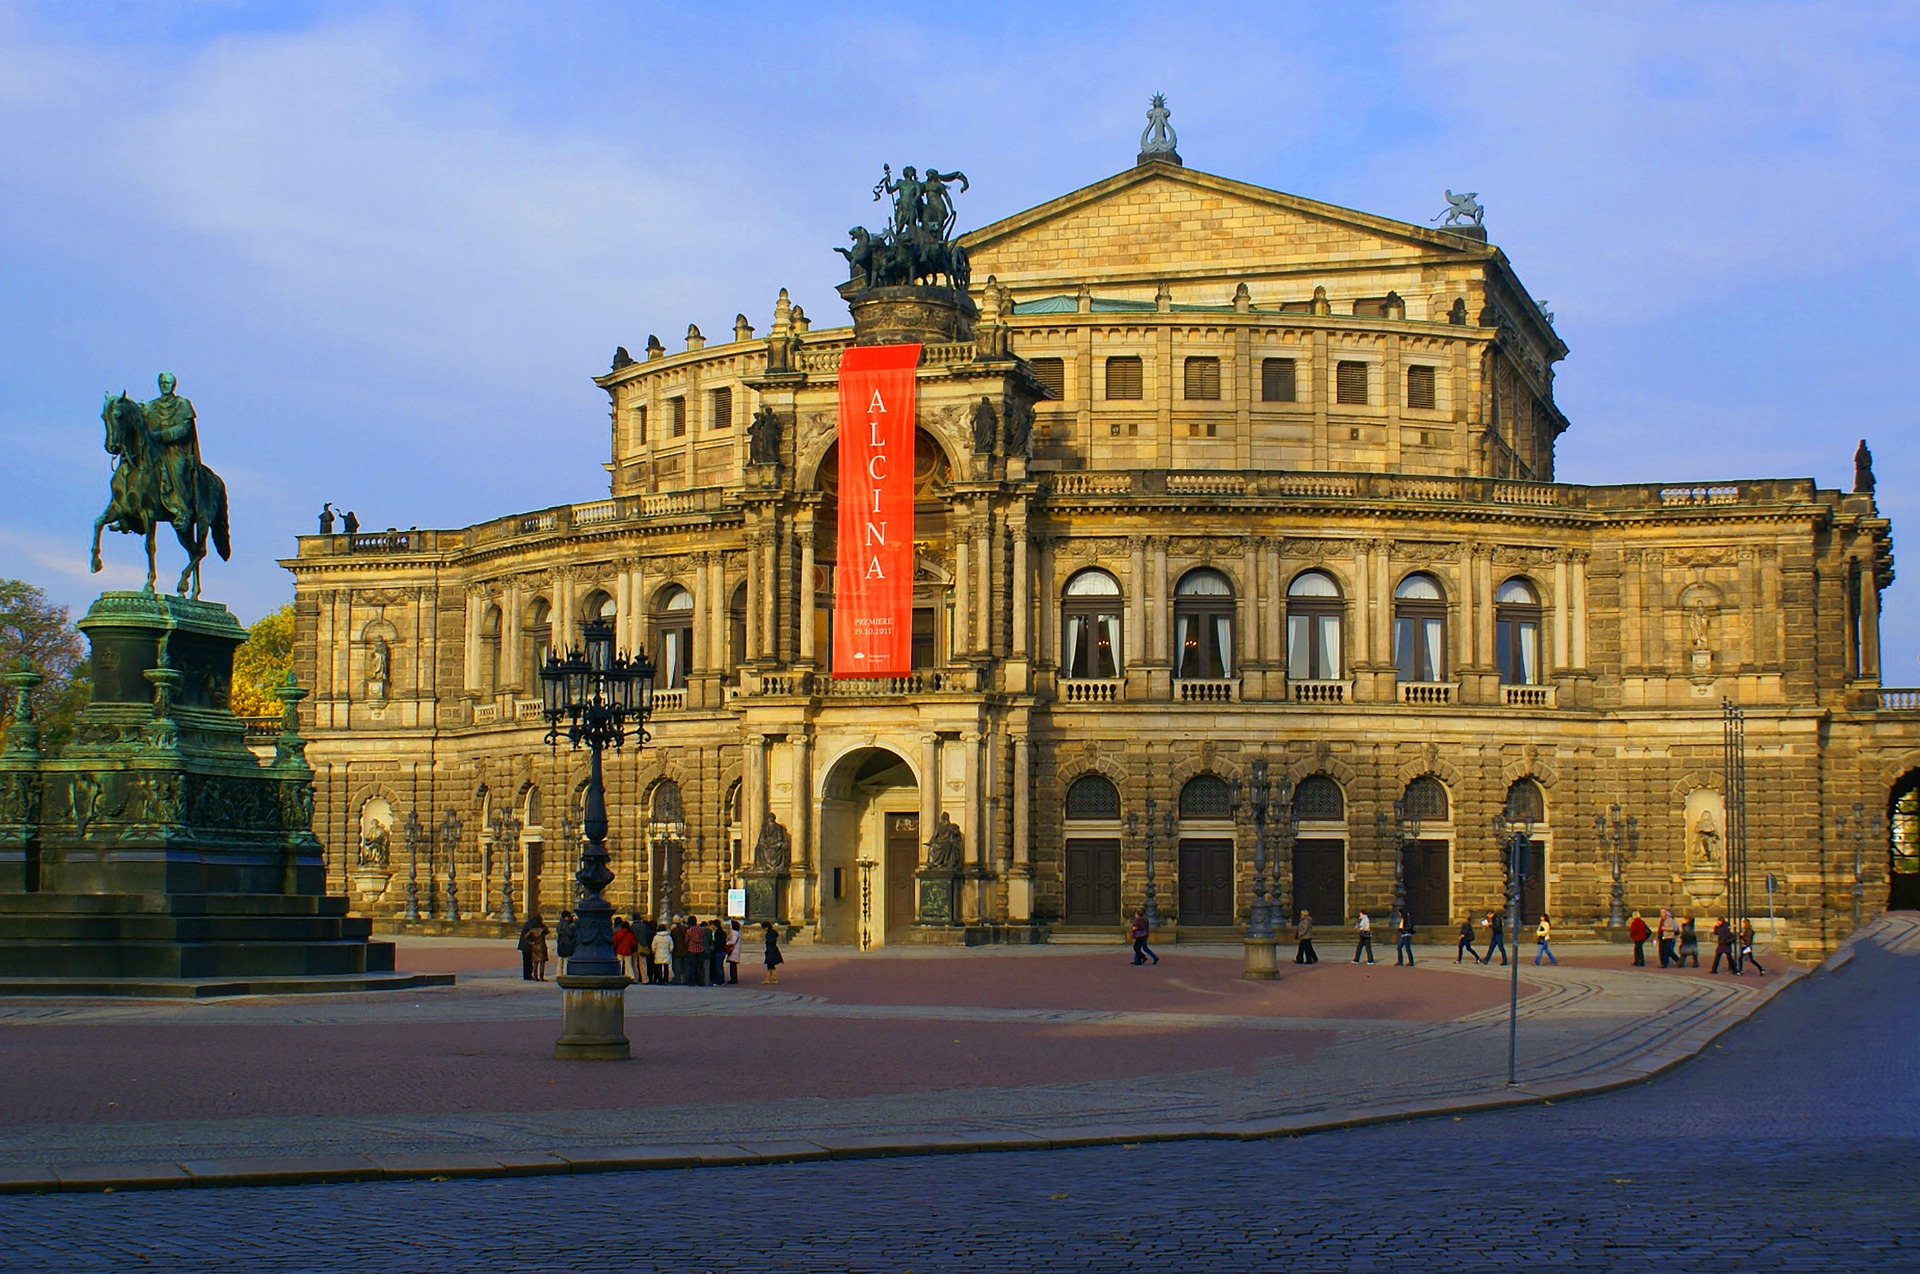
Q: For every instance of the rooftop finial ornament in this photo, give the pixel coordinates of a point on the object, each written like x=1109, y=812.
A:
x=917, y=245
x=1157, y=140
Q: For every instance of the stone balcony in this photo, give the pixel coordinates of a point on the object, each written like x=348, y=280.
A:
x=1428, y=694
x=1092, y=689
x=1320, y=692
x=1208, y=690
x=1527, y=696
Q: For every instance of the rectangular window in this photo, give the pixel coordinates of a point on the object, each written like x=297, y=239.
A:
x=677, y=412
x=1202, y=378
x=923, y=629
x=1276, y=380
x=1420, y=387
x=1350, y=383
x=1051, y=372
x=1124, y=380
x=640, y=426
x=720, y=409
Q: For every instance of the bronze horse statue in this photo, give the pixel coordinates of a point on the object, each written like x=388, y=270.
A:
x=136, y=506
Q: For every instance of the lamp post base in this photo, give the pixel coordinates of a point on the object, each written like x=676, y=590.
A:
x=593, y=1019
x=1262, y=965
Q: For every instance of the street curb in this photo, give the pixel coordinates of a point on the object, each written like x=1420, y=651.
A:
x=329, y=1170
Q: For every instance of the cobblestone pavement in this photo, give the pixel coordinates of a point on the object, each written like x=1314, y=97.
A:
x=1789, y=1145
x=1031, y=1048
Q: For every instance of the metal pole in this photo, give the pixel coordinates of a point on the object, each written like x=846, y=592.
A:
x=450, y=834
x=412, y=829
x=1153, y=903
x=1517, y=872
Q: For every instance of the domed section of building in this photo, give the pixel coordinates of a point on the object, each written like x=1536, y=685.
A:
x=1203, y=475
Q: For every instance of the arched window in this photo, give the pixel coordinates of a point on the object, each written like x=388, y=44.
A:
x=536, y=637
x=1516, y=627
x=1206, y=796
x=490, y=649
x=1419, y=630
x=1426, y=799
x=663, y=803
x=1526, y=802
x=1315, y=614
x=1318, y=800
x=673, y=639
x=599, y=605
x=1090, y=626
x=1093, y=797
x=1203, y=626
x=737, y=628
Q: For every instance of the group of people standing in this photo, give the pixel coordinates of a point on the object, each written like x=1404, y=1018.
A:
x=1678, y=944
x=685, y=951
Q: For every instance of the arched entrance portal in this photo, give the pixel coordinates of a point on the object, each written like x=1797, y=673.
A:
x=869, y=827
x=1903, y=828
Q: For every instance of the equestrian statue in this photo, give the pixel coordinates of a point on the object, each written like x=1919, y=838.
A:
x=917, y=245
x=158, y=477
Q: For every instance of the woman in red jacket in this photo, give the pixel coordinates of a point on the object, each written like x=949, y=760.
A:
x=1638, y=931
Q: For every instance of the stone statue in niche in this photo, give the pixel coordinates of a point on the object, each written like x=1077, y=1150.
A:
x=945, y=846
x=1706, y=838
x=375, y=847
x=773, y=850
x=986, y=425
x=763, y=437
x=1699, y=625
x=379, y=669
x=1019, y=428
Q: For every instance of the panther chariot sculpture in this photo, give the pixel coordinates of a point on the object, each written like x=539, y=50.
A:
x=917, y=244
x=158, y=479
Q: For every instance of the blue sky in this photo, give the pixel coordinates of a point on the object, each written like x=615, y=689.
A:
x=371, y=236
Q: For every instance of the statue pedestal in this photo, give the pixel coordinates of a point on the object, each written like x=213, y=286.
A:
x=938, y=898
x=1261, y=963
x=593, y=1015
x=909, y=313
x=765, y=895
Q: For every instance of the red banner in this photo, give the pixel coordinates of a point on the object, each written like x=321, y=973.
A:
x=873, y=575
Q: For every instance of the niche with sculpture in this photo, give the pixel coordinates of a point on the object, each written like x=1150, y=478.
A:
x=1705, y=821
x=373, y=854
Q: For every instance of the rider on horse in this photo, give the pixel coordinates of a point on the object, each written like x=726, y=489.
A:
x=171, y=421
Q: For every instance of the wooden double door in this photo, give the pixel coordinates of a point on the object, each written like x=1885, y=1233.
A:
x=1093, y=882
x=1426, y=865
x=1206, y=882
x=903, y=859
x=1320, y=880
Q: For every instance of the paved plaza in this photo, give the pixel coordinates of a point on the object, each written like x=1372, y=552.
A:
x=1771, y=1148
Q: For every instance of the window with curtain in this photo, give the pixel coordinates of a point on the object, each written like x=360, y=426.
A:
x=1124, y=378
x=1090, y=612
x=673, y=640
x=1316, y=614
x=1516, y=633
x=1419, y=630
x=1203, y=626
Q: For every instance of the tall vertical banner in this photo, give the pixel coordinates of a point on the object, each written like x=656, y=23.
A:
x=873, y=573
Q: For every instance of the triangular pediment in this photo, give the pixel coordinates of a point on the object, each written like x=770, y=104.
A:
x=1160, y=221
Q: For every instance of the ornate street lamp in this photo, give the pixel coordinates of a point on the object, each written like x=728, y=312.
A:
x=506, y=842
x=1617, y=838
x=1858, y=829
x=1514, y=827
x=591, y=696
x=1406, y=830
x=414, y=836
x=450, y=838
x=1259, y=790
x=866, y=864
x=1152, y=907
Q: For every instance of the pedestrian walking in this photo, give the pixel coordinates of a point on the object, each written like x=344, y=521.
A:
x=1689, y=943
x=1403, y=944
x=566, y=936
x=1363, y=926
x=1723, y=948
x=774, y=959
x=1666, y=934
x=1543, y=934
x=1746, y=946
x=1496, y=926
x=733, y=953
x=1304, y=953
x=1137, y=930
x=696, y=952
x=538, y=933
x=679, y=932
x=663, y=957
x=1465, y=945
x=643, y=933
x=1638, y=931
x=526, y=949
x=717, y=953
x=626, y=948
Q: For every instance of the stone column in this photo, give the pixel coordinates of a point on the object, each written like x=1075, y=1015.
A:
x=1748, y=557
x=1139, y=646
x=1020, y=886
x=1869, y=622
x=755, y=586
x=800, y=825
x=753, y=794
x=1359, y=634
x=1022, y=590
x=1578, y=619
x=1382, y=603
x=1045, y=645
x=510, y=651
x=808, y=605
x=1275, y=588
x=1160, y=589
x=1466, y=647
x=962, y=590
x=983, y=537
x=973, y=826
x=1251, y=644
x=476, y=608
x=770, y=595
x=1562, y=614
x=929, y=791
x=622, y=612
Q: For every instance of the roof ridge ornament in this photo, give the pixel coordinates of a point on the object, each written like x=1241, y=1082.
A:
x=1158, y=140
x=1461, y=208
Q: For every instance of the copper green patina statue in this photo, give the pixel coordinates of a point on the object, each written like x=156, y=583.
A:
x=158, y=478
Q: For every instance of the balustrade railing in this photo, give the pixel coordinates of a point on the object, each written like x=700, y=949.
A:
x=670, y=700
x=1527, y=696
x=1210, y=690
x=1092, y=689
x=1428, y=694
x=1320, y=691
x=1900, y=698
